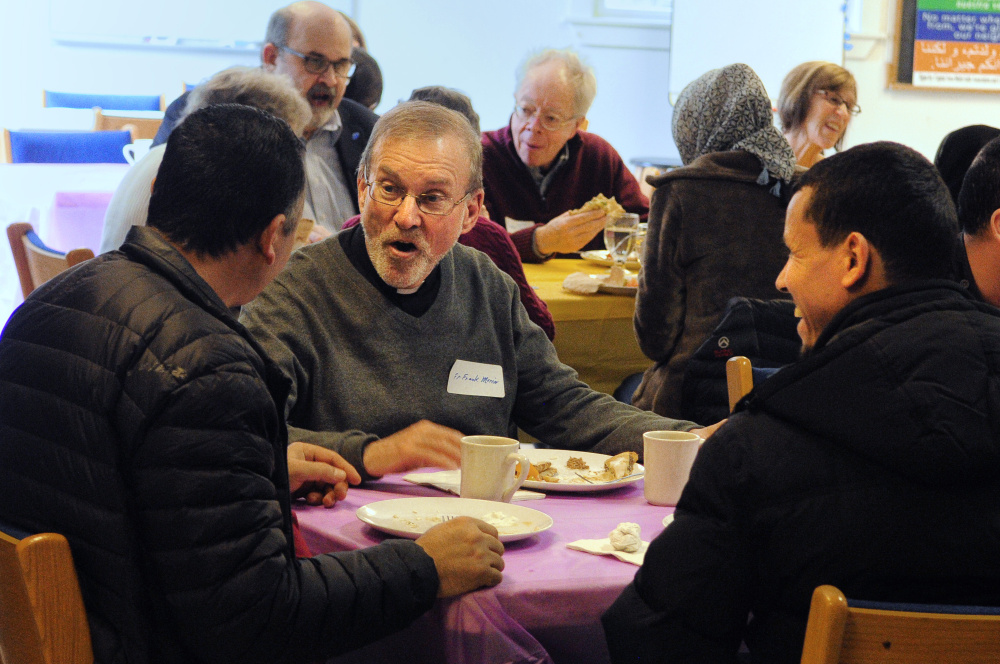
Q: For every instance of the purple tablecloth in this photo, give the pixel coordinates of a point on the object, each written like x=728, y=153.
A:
x=549, y=604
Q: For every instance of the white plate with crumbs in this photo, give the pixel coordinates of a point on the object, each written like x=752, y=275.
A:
x=570, y=478
x=412, y=517
x=601, y=257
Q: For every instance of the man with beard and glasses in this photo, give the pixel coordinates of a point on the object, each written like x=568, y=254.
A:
x=311, y=44
x=383, y=328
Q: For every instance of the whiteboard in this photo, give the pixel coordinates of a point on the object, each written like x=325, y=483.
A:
x=166, y=23
x=771, y=36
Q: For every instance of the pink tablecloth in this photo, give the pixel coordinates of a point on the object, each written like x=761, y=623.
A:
x=549, y=604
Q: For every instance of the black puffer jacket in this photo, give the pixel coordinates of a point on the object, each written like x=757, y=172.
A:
x=141, y=420
x=872, y=465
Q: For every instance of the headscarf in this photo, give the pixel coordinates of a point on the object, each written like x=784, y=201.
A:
x=728, y=109
x=956, y=152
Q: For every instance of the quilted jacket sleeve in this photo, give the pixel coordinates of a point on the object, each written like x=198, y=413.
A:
x=206, y=479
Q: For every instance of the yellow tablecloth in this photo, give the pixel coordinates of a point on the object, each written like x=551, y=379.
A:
x=593, y=332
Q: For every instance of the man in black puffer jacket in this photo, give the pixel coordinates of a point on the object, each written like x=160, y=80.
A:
x=142, y=421
x=872, y=464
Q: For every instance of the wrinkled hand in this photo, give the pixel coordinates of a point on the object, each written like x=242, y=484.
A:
x=417, y=446
x=569, y=232
x=466, y=553
x=709, y=430
x=319, y=475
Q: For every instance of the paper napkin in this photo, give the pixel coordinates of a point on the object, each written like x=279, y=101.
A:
x=602, y=547
x=450, y=480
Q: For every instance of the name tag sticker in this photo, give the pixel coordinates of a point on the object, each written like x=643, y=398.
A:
x=515, y=225
x=476, y=379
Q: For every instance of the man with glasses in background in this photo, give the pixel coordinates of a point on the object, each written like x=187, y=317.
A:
x=311, y=44
x=398, y=341
x=543, y=165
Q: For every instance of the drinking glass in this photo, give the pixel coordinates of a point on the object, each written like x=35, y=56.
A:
x=619, y=236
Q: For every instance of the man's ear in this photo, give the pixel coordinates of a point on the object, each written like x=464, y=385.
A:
x=268, y=237
x=268, y=56
x=582, y=124
x=362, y=191
x=994, y=225
x=473, y=205
x=858, y=254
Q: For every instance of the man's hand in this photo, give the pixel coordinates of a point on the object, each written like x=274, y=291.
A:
x=569, y=232
x=466, y=553
x=709, y=430
x=319, y=475
x=417, y=446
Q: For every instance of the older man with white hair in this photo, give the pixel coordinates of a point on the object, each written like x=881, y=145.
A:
x=543, y=164
x=398, y=341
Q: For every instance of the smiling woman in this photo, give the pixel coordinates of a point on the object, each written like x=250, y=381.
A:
x=816, y=104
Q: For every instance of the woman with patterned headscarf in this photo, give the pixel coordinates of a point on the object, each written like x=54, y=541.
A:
x=715, y=225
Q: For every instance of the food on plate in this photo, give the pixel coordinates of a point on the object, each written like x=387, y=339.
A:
x=576, y=463
x=500, y=520
x=619, y=466
x=626, y=537
x=543, y=472
x=601, y=202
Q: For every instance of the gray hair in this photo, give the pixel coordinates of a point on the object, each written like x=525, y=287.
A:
x=580, y=76
x=424, y=121
x=278, y=26
x=253, y=86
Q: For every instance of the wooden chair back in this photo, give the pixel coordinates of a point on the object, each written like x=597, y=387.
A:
x=739, y=379
x=841, y=634
x=42, y=617
x=140, y=127
x=35, y=262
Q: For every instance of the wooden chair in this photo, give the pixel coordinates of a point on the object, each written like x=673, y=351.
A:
x=42, y=617
x=739, y=379
x=65, y=147
x=138, y=127
x=52, y=99
x=839, y=633
x=35, y=262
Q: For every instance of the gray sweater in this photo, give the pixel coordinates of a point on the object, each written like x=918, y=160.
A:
x=362, y=369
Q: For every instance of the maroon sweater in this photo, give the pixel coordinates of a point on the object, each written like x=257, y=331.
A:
x=594, y=167
x=494, y=241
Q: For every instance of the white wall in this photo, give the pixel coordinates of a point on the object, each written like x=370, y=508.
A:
x=915, y=118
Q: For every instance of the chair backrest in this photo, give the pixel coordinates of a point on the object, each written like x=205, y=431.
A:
x=139, y=127
x=840, y=633
x=42, y=617
x=739, y=379
x=65, y=147
x=35, y=262
x=51, y=99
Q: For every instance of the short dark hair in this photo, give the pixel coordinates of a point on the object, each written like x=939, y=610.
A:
x=365, y=86
x=956, y=152
x=449, y=98
x=227, y=171
x=893, y=196
x=979, y=197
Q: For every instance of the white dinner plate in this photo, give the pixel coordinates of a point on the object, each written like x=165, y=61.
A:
x=568, y=479
x=600, y=256
x=412, y=517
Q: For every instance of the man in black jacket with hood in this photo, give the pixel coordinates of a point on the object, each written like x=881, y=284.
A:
x=143, y=422
x=871, y=464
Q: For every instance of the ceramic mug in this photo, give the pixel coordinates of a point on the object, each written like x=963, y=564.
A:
x=667, y=457
x=133, y=152
x=488, y=468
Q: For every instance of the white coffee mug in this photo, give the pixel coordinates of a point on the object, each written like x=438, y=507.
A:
x=133, y=152
x=488, y=468
x=667, y=457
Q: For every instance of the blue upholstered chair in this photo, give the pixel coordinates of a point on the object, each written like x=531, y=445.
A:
x=51, y=99
x=842, y=631
x=65, y=147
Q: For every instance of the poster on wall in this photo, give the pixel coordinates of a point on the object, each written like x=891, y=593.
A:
x=957, y=44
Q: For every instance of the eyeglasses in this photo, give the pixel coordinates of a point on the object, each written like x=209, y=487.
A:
x=315, y=63
x=390, y=194
x=836, y=100
x=549, y=121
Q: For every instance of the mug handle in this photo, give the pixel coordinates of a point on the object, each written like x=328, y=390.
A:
x=128, y=151
x=519, y=478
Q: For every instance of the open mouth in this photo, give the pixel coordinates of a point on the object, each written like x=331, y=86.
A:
x=320, y=96
x=401, y=247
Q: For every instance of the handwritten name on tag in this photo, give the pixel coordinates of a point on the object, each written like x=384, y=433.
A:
x=476, y=379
